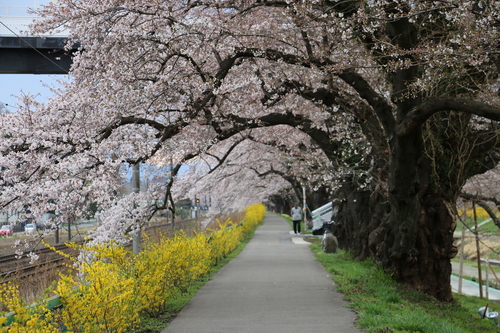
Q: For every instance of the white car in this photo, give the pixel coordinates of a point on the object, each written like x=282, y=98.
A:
x=30, y=229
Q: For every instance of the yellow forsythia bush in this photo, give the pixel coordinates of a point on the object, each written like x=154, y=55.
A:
x=253, y=216
x=168, y=267
x=114, y=286
x=104, y=295
x=480, y=213
x=224, y=240
x=33, y=318
x=229, y=234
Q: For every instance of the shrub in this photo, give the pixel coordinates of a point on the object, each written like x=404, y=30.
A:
x=480, y=213
x=114, y=286
x=104, y=296
x=35, y=318
x=253, y=216
x=224, y=240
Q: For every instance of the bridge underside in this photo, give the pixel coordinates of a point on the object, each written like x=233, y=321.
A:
x=34, y=55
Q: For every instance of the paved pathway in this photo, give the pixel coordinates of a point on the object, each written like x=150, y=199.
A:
x=274, y=285
x=472, y=288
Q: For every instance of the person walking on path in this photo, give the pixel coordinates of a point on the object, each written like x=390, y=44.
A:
x=296, y=218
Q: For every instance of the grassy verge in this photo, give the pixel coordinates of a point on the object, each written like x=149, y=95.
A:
x=473, y=263
x=384, y=306
x=175, y=305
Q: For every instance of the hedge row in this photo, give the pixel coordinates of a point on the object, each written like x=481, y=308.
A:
x=114, y=287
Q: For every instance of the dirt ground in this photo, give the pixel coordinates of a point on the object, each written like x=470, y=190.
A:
x=489, y=247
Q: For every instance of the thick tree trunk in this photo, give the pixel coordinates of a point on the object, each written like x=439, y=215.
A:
x=422, y=220
x=360, y=212
x=434, y=247
x=364, y=228
x=409, y=230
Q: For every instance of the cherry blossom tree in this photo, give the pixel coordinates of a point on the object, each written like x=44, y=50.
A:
x=394, y=93
x=261, y=165
x=483, y=190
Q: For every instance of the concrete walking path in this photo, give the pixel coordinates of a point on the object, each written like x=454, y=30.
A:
x=273, y=285
x=470, y=288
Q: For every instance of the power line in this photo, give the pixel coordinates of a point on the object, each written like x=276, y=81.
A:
x=465, y=224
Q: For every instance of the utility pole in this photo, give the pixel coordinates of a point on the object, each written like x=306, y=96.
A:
x=476, y=232
x=172, y=211
x=197, y=207
x=136, y=188
x=304, y=206
x=462, y=245
x=69, y=229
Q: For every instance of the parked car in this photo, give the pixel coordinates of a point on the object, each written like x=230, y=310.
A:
x=30, y=228
x=6, y=230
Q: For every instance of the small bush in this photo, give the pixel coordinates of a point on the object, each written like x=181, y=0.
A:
x=33, y=318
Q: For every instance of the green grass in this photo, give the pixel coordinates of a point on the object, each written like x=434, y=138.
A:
x=472, y=304
x=385, y=306
x=488, y=228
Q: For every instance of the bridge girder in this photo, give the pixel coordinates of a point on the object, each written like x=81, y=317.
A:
x=30, y=55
